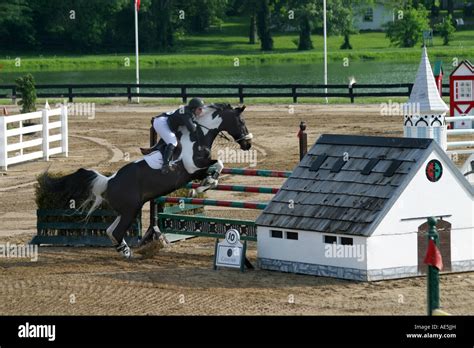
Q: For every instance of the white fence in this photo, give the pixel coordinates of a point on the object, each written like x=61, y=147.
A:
x=13, y=127
x=458, y=145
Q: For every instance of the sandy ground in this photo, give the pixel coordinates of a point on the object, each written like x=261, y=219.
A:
x=180, y=279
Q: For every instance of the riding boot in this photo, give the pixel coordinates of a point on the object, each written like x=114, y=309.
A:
x=167, y=158
x=148, y=150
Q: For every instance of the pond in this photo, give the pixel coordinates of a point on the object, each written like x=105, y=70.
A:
x=363, y=71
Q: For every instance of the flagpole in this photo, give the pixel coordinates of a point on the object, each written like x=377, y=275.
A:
x=136, y=51
x=325, y=50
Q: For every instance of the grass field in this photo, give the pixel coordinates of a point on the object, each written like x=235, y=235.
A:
x=222, y=45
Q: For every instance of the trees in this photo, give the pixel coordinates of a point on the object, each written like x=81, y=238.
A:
x=446, y=29
x=161, y=13
x=16, y=25
x=345, y=11
x=407, y=31
x=26, y=86
x=201, y=14
x=305, y=42
x=263, y=25
x=304, y=13
x=340, y=18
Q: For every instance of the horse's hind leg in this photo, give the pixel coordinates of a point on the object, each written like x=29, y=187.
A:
x=111, y=229
x=117, y=231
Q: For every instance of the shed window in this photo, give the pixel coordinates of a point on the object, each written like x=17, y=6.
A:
x=276, y=234
x=330, y=239
x=369, y=15
x=463, y=90
x=347, y=241
x=292, y=235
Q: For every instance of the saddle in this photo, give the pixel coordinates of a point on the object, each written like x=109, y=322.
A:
x=147, y=150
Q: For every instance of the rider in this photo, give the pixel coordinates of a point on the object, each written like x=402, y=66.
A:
x=168, y=123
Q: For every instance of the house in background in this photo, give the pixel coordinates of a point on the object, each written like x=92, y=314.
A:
x=373, y=17
x=461, y=100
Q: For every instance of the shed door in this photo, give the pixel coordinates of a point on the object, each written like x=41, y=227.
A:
x=444, y=230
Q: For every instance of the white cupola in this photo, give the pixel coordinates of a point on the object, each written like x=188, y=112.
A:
x=425, y=110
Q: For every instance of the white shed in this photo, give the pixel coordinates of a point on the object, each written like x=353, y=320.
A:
x=374, y=16
x=356, y=207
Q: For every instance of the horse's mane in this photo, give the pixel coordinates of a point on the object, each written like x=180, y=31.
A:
x=220, y=106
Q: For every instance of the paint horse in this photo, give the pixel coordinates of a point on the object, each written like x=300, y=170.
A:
x=136, y=183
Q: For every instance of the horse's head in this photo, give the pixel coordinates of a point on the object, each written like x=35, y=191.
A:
x=234, y=124
x=223, y=117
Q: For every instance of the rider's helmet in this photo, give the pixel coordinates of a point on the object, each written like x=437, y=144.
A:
x=195, y=103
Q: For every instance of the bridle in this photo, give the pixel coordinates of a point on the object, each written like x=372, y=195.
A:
x=221, y=134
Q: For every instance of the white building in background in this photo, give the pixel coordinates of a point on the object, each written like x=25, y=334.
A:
x=374, y=17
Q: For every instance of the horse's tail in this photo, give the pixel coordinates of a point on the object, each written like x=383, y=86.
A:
x=82, y=183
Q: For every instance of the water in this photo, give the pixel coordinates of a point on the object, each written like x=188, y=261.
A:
x=364, y=72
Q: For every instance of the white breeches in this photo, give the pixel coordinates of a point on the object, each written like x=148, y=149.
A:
x=163, y=130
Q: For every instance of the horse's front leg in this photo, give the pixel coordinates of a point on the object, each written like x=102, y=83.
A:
x=212, y=178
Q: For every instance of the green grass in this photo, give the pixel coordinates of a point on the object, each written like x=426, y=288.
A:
x=221, y=46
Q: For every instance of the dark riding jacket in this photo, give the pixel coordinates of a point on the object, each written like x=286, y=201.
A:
x=181, y=117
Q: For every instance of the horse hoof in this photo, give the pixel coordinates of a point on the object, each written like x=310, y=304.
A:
x=127, y=255
x=125, y=250
x=147, y=237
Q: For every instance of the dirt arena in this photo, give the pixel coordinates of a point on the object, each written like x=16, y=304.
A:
x=179, y=280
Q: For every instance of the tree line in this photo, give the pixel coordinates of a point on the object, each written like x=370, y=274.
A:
x=104, y=26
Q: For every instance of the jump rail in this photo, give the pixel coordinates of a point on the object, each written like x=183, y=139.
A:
x=460, y=144
x=239, y=188
x=212, y=202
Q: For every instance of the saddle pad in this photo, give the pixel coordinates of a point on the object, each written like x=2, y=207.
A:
x=154, y=160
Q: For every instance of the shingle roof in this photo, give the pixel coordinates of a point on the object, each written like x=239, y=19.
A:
x=332, y=200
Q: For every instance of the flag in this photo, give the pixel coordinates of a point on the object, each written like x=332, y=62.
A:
x=137, y=5
x=433, y=256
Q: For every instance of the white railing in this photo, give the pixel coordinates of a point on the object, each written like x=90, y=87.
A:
x=469, y=144
x=18, y=130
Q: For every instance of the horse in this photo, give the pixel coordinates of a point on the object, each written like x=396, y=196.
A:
x=136, y=183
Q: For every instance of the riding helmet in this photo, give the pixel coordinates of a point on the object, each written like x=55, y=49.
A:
x=196, y=103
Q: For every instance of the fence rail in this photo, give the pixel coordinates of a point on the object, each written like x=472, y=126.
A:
x=13, y=127
x=240, y=91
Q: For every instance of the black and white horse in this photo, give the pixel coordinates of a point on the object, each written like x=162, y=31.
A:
x=136, y=183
